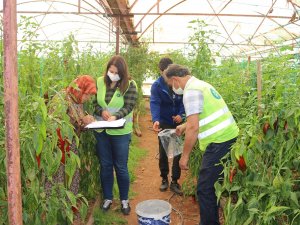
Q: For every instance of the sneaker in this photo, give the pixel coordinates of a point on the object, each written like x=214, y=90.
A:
x=125, y=207
x=164, y=185
x=106, y=204
x=175, y=187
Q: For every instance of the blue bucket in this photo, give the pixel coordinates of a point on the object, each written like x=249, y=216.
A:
x=153, y=212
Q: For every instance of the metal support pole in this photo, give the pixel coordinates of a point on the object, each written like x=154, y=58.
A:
x=259, y=88
x=248, y=71
x=118, y=36
x=11, y=111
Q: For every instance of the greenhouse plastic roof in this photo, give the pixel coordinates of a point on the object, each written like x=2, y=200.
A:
x=245, y=28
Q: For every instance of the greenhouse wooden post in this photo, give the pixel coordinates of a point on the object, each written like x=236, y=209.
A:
x=259, y=87
x=12, y=144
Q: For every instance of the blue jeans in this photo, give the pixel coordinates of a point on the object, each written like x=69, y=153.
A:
x=112, y=151
x=208, y=175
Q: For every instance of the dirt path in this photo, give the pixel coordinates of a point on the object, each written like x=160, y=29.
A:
x=146, y=186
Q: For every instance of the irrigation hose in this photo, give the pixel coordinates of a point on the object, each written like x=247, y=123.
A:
x=176, y=210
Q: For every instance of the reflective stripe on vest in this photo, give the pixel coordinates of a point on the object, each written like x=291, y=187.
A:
x=216, y=124
x=213, y=116
x=216, y=128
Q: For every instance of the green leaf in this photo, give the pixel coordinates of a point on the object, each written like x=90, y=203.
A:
x=43, y=130
x=83, y=211
x=235, y=188
x=276, y=210
x=218, y=189
x=51, y=217
x=70, y=167
x=2, y=193
x=253, y=203
x=3, y=203
x=289, y=144
x=77, y=160
x=253, y=210
x=71, y=197
x=249, y=220
x=38, y=142
x=294, y=198
x=31, y=175
x=43, y=108
x=54, y=164
x=239, y=202
x=70, y=215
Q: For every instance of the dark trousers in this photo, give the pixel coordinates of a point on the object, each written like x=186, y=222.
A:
x=163, y=159
x=209, y=173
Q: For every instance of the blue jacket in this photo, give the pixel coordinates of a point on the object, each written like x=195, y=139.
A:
x=164, y=105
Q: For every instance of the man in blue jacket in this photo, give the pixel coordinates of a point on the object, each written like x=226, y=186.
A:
x=167, y=112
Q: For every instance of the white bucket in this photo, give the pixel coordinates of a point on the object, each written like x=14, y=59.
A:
x=153, y=212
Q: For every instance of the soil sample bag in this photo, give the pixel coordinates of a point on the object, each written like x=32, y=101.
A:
x=172, y=143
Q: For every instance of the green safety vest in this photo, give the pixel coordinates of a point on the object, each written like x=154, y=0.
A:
x=216, y=124
x=115, y=104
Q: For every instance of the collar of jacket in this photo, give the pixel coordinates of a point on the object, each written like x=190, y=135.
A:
x=163, y=84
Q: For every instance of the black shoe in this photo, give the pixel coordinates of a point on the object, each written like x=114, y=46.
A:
x=175, y=187
x=106, y=204
x=125, y=207
x=164, y=185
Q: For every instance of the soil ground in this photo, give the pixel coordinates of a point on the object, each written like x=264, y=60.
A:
x=146, y=186
x=185, y=210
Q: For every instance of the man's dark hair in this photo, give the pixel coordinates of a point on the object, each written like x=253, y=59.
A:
x=164, y=63
x=177, y=71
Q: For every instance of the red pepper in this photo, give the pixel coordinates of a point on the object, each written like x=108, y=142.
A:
x=266, y=127
x=38, y=159
x=61, y=141
x=242, y=164
x=63, y=145
x=68, y=146
x=58, y=133
x=232, y=174
x=74, y=209
x=286, y=126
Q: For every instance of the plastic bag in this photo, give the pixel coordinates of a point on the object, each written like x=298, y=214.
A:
x=172, y=143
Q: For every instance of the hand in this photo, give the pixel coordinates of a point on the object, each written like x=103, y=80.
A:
x=105, y=115
x=156, y=127
x=177, y=119
x=87, y=119
x=183, y=162
x=180, y=129
x=112, y=118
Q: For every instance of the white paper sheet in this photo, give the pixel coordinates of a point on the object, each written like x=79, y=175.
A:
x=107, y=124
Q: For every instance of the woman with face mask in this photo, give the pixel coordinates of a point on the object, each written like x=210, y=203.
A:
x=116, y=98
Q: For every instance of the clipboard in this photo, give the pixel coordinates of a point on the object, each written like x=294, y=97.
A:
x=116, y=124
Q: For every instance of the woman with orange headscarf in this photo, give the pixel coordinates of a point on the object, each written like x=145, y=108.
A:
x=78, y=92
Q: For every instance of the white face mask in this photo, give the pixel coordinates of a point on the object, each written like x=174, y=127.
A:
x=178, y=91
x=113, y=77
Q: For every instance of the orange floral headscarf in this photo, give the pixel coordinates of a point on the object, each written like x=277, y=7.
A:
x=85, y=85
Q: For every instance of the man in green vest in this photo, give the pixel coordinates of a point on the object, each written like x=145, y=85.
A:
x=210, y=121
